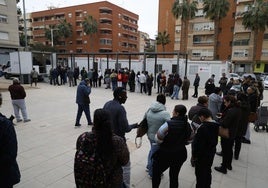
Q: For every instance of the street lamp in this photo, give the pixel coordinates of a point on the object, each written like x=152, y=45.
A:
x=25, y=29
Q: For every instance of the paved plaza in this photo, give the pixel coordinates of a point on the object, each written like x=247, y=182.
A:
x=46, y=144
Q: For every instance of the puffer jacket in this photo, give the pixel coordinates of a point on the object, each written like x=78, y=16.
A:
x=156, y=116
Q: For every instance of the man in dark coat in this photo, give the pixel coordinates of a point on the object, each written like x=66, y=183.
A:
x=196, y=84
x=83, y=101
x=205, y=142
x=185, y=88
x=120, y=123
x=9, y=169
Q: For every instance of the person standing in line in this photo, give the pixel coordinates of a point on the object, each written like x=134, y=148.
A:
x=18, y=94
x=253, y=101
x=76, y=75
x=120, y=125
x=229, y=119
x=195, y=124
x=83, y=101
x=83, y=74
x=131, y=81
x=158, y=80
x=149, y=83
x=70, y=75
x=242, y=99
x=95, y=78
x=125, y=77
x=113, y=77
x=100, y=77
x=209, y=86
x=204, y=144
x=185, y=88
x=34, y=77
x=156, y=116
x=137, y=82
x=120, y=78
x=163, y=82
x=223, y=84
x=215, y=102
x=196, y=84
x=9, y=169
x=142, y=80
x=111, y=148
x=177, y=82
x=171, y=137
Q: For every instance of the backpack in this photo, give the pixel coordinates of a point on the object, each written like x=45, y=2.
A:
x=89, y=170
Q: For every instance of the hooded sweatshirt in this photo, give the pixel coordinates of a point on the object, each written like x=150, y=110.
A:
x=156, y=116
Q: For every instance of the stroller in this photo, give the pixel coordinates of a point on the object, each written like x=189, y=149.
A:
x=262, y=120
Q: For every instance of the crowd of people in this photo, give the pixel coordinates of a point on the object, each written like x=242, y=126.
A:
x=221, y=108
x=224, y=106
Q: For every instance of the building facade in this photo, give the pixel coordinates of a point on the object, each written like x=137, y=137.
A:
x=117, y=28
x=9, y=38
x=29, y=28
x=235, y=43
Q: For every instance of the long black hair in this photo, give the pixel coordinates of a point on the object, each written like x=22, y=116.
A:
x=103, y=129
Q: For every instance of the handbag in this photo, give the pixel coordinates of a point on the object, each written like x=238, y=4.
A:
x=223, y=132
x=252, y=117
x=141, y=131
x=142, y=128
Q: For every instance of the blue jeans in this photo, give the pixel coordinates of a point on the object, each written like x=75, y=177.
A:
x=126, y=175
x=81, y=108
x=175, y=93
x=154, y=148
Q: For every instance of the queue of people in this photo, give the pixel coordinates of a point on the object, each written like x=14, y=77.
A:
x=168, y=136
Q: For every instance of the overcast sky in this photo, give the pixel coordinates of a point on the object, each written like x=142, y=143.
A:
x=146, y=9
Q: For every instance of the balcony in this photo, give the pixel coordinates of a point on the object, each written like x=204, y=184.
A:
x=241, y=29
x=243, y=1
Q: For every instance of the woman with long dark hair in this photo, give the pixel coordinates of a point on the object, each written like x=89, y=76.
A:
x=100, y=155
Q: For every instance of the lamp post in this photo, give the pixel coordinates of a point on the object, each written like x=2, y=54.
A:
x=25, y=29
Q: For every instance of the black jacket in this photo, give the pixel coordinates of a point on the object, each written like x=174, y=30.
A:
x=9, y=170
x=205, y=141
x=230, y=119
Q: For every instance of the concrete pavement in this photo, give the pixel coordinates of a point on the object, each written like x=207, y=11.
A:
x=47, y=143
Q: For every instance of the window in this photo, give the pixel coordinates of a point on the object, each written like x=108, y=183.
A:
x=3, y=18
x=265, y=37
x=264, y=52
x=106, y=41
x=3, y=2
x=4, y=36
x=241, y=53
x=70, y=15
x=79, y=42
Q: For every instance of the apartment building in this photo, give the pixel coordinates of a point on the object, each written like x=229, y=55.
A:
x=235, y=43
x=28, y=27
x=9, y=39
x=243, y=42
x=117, y=28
